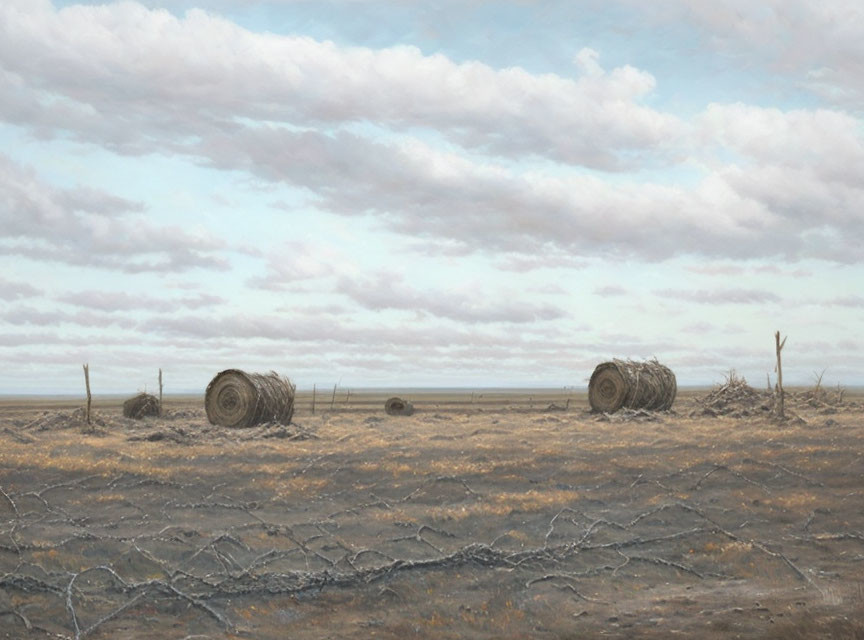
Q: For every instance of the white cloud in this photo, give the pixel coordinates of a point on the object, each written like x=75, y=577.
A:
x=137, y=79
x=720, y=296
x=818, y=46
x=825, y=143
x=36, y=343
x=12, y=290
x=531, y=261
x=610, y=290
x=727, y=269
x=324, y=331
x=112, y=301
x=468, y=305
x=587, y=61
x=88, y=227
x=134, y=78
x=296, y=262
x=425, y=193
x=853, y=301
x=29, y=316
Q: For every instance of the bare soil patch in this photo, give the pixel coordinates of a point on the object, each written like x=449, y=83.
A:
x=470, y=518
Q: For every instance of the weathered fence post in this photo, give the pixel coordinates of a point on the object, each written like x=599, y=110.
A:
x=87, y=384
x=779, y=406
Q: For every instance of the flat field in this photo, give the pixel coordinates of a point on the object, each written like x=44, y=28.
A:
x=484, y=515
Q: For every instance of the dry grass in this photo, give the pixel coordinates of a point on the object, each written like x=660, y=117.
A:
x=422, y=487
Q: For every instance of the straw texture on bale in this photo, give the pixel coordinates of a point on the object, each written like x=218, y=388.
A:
x=398, y=407
x=235, y=398
x=625, y=384
x=141, y=406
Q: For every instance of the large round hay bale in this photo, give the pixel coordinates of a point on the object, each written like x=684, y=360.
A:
x=398, y=407
x=625, y=384
x=235, y=398
x=141, y=406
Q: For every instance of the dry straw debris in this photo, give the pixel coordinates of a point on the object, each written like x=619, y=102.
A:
x=627, y=384
x=141, y=406
x=629, y=415
x=235, y=398
x=825, y=400
x=398, y=407
x=735, y=398
x=59, y=420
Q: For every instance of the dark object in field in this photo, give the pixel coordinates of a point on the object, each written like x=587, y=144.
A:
x=398, y=407
x=632, y=385
x=235, y=398
x=141, y=406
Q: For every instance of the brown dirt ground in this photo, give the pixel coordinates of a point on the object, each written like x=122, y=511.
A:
x=488, y=518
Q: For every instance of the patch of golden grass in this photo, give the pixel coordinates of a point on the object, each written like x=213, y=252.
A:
x=499, y=505
x=55, y=460
x=264, y=472
x=439, y=467
x=301, y=486
x=797, y=500
x=521, y=536
x=530, y=501
x=393, y=468
x=153, y=459
x=101, y=498
x=59, y=559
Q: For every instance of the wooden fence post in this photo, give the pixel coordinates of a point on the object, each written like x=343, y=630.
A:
x=87, y=384
x=779, y=406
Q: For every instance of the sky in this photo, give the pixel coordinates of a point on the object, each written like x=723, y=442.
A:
x=483, y=193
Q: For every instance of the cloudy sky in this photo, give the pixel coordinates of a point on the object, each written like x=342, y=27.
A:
x=400, y=193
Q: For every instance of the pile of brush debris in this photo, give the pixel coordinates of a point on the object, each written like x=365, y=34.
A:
x=820, y=398
x=736, y=399
x=180, y=427
x=56, y=420
x=193, y=433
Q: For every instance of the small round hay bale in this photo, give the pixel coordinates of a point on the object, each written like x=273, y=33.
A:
x=398, y=407
x=141, y=406
x=625, y=384
x=235, y=398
